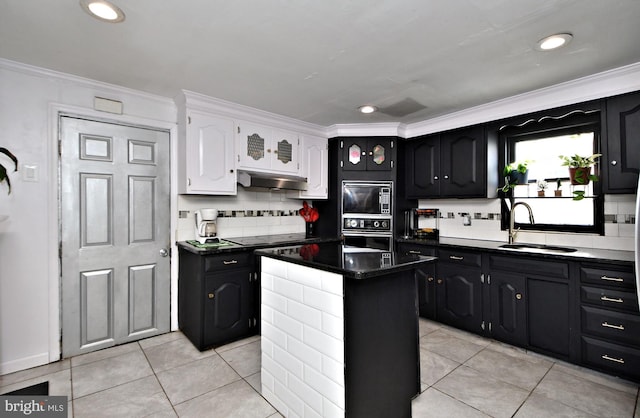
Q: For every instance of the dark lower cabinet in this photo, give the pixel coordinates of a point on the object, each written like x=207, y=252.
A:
x=425, y=279
x=459, y=290
x=508, y=308
x=530, y=303
x=216, y=297
x=610, y=321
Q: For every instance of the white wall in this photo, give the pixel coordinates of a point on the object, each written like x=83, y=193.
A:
x=29, y=310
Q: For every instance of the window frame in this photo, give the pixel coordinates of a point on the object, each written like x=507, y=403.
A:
x=573, y=122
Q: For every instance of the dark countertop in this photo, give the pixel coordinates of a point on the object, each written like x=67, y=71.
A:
x=350, y=262
x=582, y=254
x=254, y=243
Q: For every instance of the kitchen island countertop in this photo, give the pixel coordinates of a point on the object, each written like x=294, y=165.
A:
x=351, y=262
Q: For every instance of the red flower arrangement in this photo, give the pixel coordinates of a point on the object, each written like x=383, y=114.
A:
x=308, y=213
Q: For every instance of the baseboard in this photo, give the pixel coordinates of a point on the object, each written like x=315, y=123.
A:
x=24, y=363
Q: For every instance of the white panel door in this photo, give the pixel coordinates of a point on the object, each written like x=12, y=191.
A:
x=114, y=185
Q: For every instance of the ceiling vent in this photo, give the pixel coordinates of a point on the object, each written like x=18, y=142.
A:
x=402, y=108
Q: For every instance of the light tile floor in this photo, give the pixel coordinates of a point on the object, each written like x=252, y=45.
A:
x=462, y=375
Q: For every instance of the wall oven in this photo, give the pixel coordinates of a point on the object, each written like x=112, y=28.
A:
x=367, y=213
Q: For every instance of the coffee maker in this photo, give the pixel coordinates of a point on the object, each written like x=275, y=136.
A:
x=206, y=230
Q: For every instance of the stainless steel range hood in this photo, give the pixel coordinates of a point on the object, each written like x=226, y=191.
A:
x=253, y=180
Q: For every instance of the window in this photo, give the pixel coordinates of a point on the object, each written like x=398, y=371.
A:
x=540, y=143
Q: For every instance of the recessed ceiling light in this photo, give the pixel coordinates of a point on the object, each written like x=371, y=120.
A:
x=102, y=10
x=554, y=41
x=367, y=109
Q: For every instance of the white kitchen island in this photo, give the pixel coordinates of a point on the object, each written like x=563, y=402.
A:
x=339, y=331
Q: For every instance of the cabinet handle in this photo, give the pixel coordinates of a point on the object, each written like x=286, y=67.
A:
x=439, y=281
x=608, y=299
x=456, y=257
x=414, y=252
x=254, y=322
x=211, y=295
x=231, y=171
x=617, y=360
x=519, y=296
x=429, y=279
x=608, y=325
x=612, y=279
x=435, y=177
x=230, y=262
x=446, y=177
x=614, y=162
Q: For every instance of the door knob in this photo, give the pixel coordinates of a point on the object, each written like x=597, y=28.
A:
x=164, y=252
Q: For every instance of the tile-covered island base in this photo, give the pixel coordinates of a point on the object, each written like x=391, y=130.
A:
x=327, y=338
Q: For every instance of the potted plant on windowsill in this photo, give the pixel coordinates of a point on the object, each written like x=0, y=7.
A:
x=558, y=192
x=580, y=168
x=3, y=171
x=542, y=186
x=515, y=173
x=580, y=171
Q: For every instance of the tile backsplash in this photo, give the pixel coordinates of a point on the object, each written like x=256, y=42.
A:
x=485, y=223
x=249, y=213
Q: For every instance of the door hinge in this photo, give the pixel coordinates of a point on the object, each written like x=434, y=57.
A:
x=188, y=120
x=392, y=144
x=488, y=278
x=60, y=250
x=489, y=326
x=59, y=148
x=391, y=163
x=481, y=277
x=482, y=325
x=341, y=144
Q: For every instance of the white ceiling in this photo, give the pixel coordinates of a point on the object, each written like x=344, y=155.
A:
x=317, y=61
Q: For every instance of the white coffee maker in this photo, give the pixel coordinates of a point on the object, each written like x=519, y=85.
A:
x=206, y=230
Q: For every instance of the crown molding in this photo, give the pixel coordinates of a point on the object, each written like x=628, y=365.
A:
x=224, y=108
x=366, y=129
x=597, y=86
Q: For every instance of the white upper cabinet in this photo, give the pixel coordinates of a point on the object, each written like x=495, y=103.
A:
x=265, y=149
x=206, y=155
x=314, y=166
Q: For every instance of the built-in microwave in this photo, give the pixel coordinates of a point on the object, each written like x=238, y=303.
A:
x=367, y=208
x=367, y=198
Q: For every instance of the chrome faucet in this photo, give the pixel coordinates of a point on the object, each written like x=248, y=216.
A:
x=512, y=232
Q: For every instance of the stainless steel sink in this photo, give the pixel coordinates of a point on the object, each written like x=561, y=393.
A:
x=538, y=248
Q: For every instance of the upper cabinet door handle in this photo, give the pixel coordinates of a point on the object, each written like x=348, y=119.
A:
x=614, y=162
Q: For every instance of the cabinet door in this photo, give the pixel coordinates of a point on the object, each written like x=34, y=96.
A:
x=548, y=314
x=314, y=166
x=228, y=304
x=252, y=143
x=459, y=296
x=354, y=154
x=379, y=154
x=422, y=158
x=463, y=162
x=283, y=151
x=621, y=164
x=508, y=308
x=426, y=291
x=209, y=155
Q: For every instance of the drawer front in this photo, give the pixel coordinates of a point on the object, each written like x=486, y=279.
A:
x=612, y=325
x=416, y=249
x=609, y=298
x=529, y=266
x=460, y=257
x=232, y=260
x=617, y=358
x=608, y=277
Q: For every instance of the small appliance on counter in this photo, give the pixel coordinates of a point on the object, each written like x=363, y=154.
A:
x=422, y=224
x=206, y=229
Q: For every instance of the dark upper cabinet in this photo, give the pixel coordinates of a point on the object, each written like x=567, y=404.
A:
x=422, y=165
x=452, y=164
x=621, y=149
x=367, y=154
